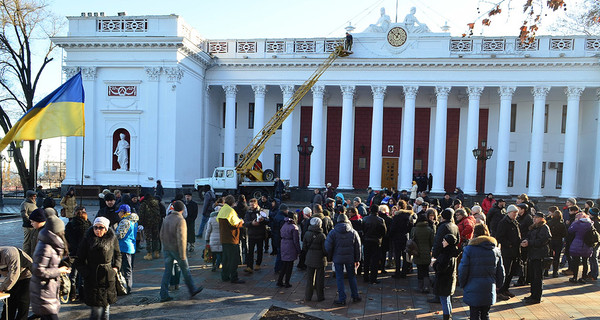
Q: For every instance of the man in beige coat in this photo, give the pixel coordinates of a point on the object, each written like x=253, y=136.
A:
x=27, y=207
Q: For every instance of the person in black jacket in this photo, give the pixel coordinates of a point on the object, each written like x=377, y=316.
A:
x=190, y=220
x=447, y=226
x=537, y=241
x=495, y=214
x=558, y=229
x=446, y=201
x=256, y=222
x=525, y=221
x=74, y=232
x=399, y=231
x=445, y=273
x=509, y=238
x=109, y=212
x=374, y=229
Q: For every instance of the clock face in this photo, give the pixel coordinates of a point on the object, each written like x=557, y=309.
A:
x=396, y=36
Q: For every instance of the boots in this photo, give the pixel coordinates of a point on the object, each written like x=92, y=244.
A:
x=156, y=254
x=148, y=256
x=447, y=317
x=426, y=284
x=420, y=285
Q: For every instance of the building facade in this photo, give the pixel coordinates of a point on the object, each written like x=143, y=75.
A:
x=407, y=102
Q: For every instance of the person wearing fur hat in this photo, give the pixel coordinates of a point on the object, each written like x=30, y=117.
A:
x=313, y=244
x=509, y=238
x=126, y=233
x=537, y=244
x=69, y=203
x=445, y=273
x=110, y=211
x=27, y=207
x=98, y=260
x=46, y=269
x=38, y=221
x=480, y=272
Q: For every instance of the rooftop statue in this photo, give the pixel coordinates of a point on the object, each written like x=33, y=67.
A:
x=413, y=25
x=382, y=25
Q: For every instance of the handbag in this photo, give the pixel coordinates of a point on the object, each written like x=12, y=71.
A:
x=207, y=255
x=63, y=212
x=121, y=285
x=412, y=248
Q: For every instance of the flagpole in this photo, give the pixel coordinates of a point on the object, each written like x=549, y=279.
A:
x=82, y=167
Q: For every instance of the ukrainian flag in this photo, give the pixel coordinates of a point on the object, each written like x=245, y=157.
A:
x=59, y=114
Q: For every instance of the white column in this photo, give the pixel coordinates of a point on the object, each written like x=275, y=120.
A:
x=260, y=91
x=596, y=190
x=439, y=159
x=376, y=137
x=470, y=173
x=569, y=186
x=229, y=139
x=89, y=167
x=537, y=141
x=317, y=172
x=205, y=139
x=286, y=136
x=347, y=138
x=407, y=140
x=506, y=94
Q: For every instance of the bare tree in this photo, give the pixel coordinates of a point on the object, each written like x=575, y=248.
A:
x=579, y=20
x=25, y=24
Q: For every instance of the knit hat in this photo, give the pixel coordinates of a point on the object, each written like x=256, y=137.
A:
x=55, y=225
x=342, y=218
x=512, y=208
x=30, y=193
x=329, y=200
x=50, y=212
x=49, y=203
x=38, y=215
x=572, y=200
x=448, y=213
x=188, y=193
x=594, y=212
x=283, y=207
x=419, y=200
x=124, y=207
x=358, y=199
x=103, y=222
x=307, y=211
x=316, y=222
x=451, y=239
x=328, y=185
x=109, y=197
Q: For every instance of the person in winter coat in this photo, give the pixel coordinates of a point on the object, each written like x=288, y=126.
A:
x=213, y=238
x=327, y=223
x=290, y=249
x=277, y=221
x=38, y=221
x=316, y=260
x=74, y=233
x=445, y=227
x=46, y=269
x=423, y=235
x=480, y=272
x=537, y=242
x=150, y=219
x=374, y=229
x=230, y=226
x=207, y=208
x=413, y=192
x=317, y=198
x=16, y=274
x=256, y=222
x=126, y=232
x=508, y=236
x=69, y=203
x=495, y=214
x=525, y=221
x=98, y=260
x=192, y=209
x=110, y=211
x=558, y=230
x=579, y=250
x=477, y=213
x=399, y=233
x=343, y=248
x=27, y=207
x=445, y=273
x=465, y=224
x=488, y=203
x=593, y=275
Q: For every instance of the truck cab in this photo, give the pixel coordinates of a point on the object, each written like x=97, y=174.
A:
x=223, y=178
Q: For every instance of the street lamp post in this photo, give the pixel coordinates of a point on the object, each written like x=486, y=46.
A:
x=305, y=150
x=482, y=154
x=2, y=159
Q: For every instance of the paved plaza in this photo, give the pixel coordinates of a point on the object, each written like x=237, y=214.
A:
x=392, y=299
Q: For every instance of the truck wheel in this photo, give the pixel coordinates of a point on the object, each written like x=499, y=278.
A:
x=256, y=193
x=268, y=175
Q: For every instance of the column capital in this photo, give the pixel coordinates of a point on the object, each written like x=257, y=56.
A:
x=287, y=89
x=230, y=90
x=378, y=91
x=70, y=71
x=318, y=90
x=174, y=74
x=259, y=89
x=474, y=91
x=348, y=91
x=442, y=91
x=410, y=91
x=88, y=73
x=540, y=92
x=506, y=92
x=153, y=73
x=574, y=92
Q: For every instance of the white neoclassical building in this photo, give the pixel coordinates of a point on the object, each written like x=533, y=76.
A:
x=407, y=102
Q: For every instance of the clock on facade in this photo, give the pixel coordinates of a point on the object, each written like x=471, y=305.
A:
x=396, y=36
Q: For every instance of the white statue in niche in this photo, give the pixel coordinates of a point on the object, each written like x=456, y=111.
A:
x=382, y=25
x=413, y=25
x=122, y=153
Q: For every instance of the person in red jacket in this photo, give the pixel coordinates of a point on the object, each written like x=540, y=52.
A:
x=465, y=224
x=488, y=203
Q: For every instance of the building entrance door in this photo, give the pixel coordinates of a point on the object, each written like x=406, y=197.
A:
x=389, y=173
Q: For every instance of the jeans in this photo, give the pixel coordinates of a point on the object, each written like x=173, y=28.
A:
x=185, y=271
x=481, y=312
x=231, y=260
x=100, y=313
x=339, y=278
x=202, y=226
x=594, y=262
x=127, y=269
x=446, y=304
x=537, y=276
x=555, y=248
x=18, y=301
x=218, y=257
x=252, y=243
x=278, y=260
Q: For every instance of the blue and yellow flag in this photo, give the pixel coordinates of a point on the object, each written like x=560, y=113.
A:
x=60, y=114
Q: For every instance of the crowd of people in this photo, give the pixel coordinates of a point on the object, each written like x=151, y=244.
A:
x=481, y=249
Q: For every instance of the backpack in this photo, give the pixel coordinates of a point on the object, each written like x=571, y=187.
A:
x=591, y=237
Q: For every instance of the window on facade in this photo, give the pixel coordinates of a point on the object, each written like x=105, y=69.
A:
x=513, y=117
x=225, y=111
x=543, y=174
x=546, y=119
x=222, y=159
x=559, y=173
x=511, y=173
x=236, y=158
x=563, y=123
x=276, y=164
x=251, y=115
x=527, y=181
x=279, y=107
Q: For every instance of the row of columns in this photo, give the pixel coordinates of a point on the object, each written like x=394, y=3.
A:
x=317, y=172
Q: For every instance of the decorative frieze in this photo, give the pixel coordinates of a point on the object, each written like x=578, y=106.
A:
x=217, y=46
x=122, y=91
x=174, y=74
x=153, y=73
x=88, y=73
x=122, y=25
x=561, y=44
x=461, y=45
x=304, y=46
x=330, y=45
x=526, y=45
x=592, y=44
x=492, y=45
x=246, y=46
x=274, y=46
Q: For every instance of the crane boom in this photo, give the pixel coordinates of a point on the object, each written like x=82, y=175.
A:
x=249, y=156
